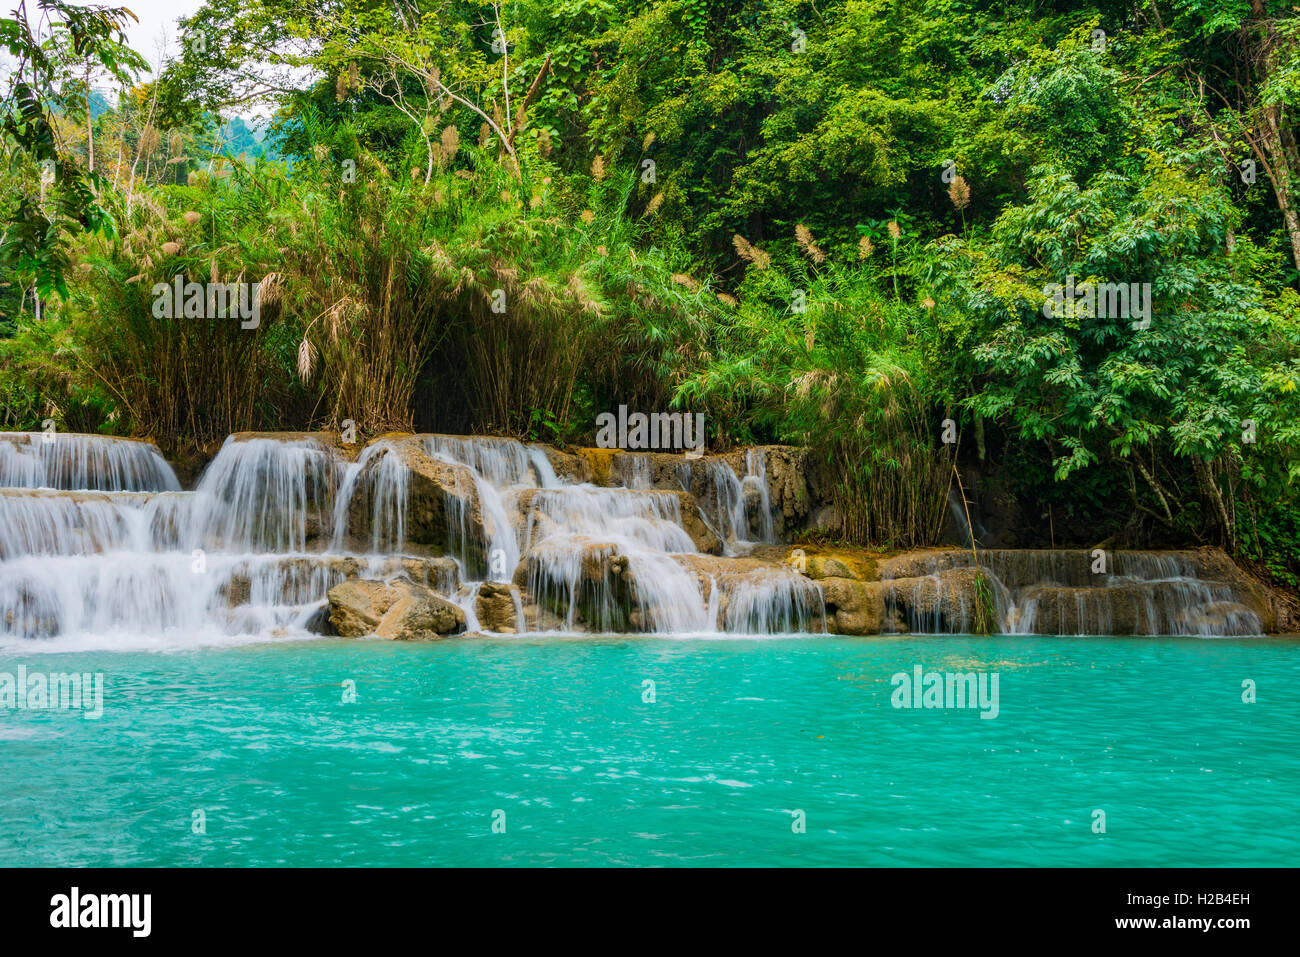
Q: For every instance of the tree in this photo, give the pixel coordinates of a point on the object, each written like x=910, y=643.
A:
x=64, y=40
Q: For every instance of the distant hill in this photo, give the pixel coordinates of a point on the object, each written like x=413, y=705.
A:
x=252, y=139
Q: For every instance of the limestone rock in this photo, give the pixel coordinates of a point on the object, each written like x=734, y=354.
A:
x=499, y=608
x=443, y=510
x=399, y=610
x=854, y=607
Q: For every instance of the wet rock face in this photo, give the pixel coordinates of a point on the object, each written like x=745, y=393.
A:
x=763, y=595
x=1077, y=592
x=443, y=511
x=854, y=607
x=791, y=499
x=1145, y=608
x=593, y=588
x=398, y=610
x=943, y=603
x=499, y=608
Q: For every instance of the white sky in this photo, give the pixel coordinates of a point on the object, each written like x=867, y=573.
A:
x=156, y=36
x=157, y=19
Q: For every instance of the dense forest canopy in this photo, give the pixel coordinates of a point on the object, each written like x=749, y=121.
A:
x=1064, y=233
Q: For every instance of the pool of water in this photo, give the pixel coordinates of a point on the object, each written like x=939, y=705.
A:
x=556, y=751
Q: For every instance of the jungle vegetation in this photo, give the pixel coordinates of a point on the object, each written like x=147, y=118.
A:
x=824, y=223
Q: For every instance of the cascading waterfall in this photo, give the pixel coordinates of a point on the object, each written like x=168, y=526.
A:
x=742, y=508
x=98, y=543
x=65, y=460
x=265, y=495
x=241, y=555
x=97, y=539
x=1070, y=592
x=579, y=539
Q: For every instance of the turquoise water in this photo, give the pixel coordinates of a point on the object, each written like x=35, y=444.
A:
x=554, y=733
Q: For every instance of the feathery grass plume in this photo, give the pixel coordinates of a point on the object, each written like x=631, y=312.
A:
x=450, y=142
x=334, y=321
x=601, y=251
x=171, y=249
x=647, y=142
x=150, y=139
x=535, y=201
x=750, y=253
x=927, y=303
x=544, y=144
x=865, y=248
x=306, y=356
x=193, y=218
x=959, y=192
x=684, y=280
x=321, y=151
x=341, y=88
x=598, y=168
x=587, y=216
x=729, y=300
x=656, y=201
x=484, y=132
x=803, y=235
x=270, y=288
x=895, y=232
x=521, y=118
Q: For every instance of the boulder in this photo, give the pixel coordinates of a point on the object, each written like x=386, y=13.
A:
x=854, y=607
x=499, y=607
x=399, y=610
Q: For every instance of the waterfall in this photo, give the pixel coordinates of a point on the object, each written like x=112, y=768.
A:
x=777, y=602
x=634, y=470
x=98, y=544
x=741, y=508
x=593, y=552
x=66, y=460
x=266, y=495
x=1069, y=592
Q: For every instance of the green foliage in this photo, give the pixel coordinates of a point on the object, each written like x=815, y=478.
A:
x=829, y=224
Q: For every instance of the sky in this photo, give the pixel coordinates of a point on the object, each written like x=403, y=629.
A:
x=157, y=18
x=157, y=36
